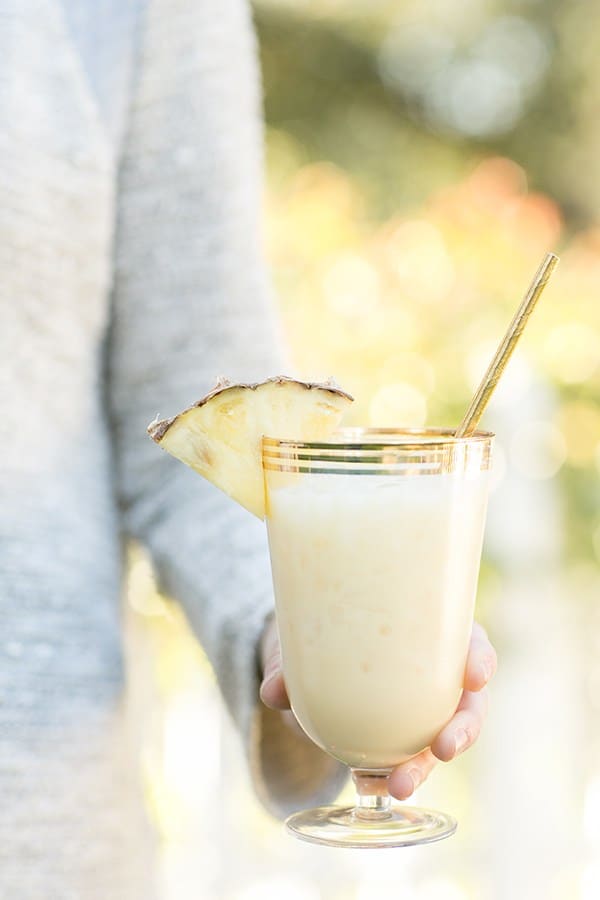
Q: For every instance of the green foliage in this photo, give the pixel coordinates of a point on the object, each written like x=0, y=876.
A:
x=421, y=159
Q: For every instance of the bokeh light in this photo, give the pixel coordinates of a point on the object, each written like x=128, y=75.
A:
x=572, y=352
x=538, y=449
x=421, y=158
x=478, y=84
x=399, y=403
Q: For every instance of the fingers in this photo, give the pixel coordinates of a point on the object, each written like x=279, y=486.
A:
x=406, y=778
x=459, y=734
x=481, y=661
x=463, y=729
x=272, y=689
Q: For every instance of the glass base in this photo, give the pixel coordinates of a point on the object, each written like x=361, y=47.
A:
x=401, y=826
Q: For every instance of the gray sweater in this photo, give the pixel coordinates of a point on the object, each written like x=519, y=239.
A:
x=131, y=275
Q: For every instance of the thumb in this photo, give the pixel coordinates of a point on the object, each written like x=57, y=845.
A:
x=272, y=689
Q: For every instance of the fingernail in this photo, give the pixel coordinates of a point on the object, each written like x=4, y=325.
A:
x=407, y=782
x=271, y=672
x=461, y=739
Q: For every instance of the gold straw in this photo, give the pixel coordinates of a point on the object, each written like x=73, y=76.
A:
x=508, y=344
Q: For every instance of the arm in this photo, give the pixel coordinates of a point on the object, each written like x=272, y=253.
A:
x=190, y=302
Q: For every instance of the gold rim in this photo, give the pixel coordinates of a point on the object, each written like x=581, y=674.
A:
x=397, y=438
x=380, y=451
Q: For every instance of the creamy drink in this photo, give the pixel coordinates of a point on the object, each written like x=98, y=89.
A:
x=375, y=569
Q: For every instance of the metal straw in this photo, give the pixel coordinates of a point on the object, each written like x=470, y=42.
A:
x=508, y=344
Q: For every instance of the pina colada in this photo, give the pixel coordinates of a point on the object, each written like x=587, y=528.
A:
x=375, y=580
x=375, y=539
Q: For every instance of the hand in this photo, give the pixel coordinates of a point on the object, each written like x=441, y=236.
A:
x=463, y=728
x=457, y=736
x=272, y=690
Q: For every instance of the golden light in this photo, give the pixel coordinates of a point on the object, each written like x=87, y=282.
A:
x=476, y=361
x=411, y=368
x=351, y=286
x=596, y=542
x=515, y=378
x=494, y=181
x=141, y=588
x=572, y=352
x=580, y=425
x=535, y=219
x=398, y=404
x=597, y=456
x=499, y=466
x=538, y=450
x=316, y=216
x=418, y=256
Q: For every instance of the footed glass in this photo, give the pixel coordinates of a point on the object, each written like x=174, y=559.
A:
x=375, y=540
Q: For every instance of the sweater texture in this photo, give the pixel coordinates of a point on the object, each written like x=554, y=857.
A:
x=132, y=275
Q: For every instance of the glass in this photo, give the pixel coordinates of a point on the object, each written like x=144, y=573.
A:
x=375, y=540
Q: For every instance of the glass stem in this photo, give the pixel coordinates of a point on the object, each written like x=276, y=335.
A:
x=373, y=799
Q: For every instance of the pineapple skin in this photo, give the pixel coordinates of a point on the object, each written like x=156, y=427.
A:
x=220, y=436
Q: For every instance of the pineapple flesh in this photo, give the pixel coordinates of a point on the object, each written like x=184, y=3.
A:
x=220, y=436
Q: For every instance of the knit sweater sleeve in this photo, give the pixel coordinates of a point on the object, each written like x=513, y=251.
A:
x=191, y=302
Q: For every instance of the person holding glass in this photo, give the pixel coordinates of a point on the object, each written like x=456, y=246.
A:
x=132, y=274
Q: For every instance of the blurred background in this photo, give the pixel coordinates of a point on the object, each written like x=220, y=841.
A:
x=421, y=159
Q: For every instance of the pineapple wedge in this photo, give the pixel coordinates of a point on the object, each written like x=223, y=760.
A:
x=220, y=436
